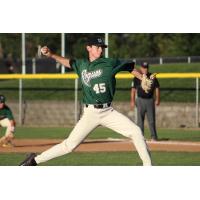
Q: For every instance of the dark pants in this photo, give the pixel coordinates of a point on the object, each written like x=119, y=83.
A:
x=146, y=106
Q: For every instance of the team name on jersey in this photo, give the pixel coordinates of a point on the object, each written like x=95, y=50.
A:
x=88, y=76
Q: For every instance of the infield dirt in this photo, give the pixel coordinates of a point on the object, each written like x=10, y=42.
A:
x=106, y=145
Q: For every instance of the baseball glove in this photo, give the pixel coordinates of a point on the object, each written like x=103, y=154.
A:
x=153, y=76
x=146, y=83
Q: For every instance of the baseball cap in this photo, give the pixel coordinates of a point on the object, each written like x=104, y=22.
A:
x=2, y=98
x=145, y=65
x=97, y=41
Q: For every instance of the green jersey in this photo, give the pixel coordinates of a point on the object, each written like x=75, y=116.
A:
x=98, y=78
x=5, y=112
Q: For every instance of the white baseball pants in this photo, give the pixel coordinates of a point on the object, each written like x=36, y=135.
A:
x=92, y=118
x=6, y=123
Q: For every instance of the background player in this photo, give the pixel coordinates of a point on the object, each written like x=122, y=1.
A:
x=6, y=120
x=146, y=101
x=97, y=75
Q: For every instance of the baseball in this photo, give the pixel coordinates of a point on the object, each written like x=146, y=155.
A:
x=45, y=50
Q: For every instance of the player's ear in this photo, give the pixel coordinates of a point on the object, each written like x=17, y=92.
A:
x=88, y=48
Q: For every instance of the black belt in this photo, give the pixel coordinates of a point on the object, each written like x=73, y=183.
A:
x=99, y=106
x=145, y=97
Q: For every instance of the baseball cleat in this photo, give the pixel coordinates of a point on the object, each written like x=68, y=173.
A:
x=29, y=161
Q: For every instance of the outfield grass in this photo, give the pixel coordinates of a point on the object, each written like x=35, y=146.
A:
x=107, y=158
x=39, y=89
x=110, y=159
x=64, y=89
x=168, y=94
x=101, y=133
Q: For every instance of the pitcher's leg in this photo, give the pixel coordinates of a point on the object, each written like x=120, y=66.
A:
x=121, y=124
x=78, y=134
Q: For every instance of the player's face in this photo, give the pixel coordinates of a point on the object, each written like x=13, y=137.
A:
x=144, y=70
x=95, y=52
x=1, y=105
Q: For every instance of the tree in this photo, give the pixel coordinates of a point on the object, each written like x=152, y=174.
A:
x=122, y=45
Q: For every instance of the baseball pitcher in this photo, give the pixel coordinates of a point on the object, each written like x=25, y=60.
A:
x=97, y=75
x=6, y=120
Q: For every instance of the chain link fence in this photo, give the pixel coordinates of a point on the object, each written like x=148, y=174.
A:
x=44, y=65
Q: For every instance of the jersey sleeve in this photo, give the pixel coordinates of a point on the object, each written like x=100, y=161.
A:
x=135, y=83
x=74, y=63
x=132, y=84
x=157, y=85
x=9, y=114
x=123, y=66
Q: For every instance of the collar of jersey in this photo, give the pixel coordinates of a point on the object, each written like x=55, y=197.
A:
x=94, y=60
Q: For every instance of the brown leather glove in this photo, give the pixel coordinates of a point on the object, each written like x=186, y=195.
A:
x=146, y=83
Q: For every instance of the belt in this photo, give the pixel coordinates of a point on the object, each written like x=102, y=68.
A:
x=99, y=106
x=145, y=97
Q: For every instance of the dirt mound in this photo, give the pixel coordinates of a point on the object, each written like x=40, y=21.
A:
x=107, y=145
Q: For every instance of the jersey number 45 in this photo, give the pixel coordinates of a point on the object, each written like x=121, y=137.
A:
x=99, y=88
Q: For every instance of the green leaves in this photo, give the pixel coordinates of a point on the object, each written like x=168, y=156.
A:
x=121, y=45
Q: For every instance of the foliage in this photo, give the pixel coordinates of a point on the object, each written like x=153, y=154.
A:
x=123, y=45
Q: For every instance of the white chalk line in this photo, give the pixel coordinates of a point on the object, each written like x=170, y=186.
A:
x=185, y=143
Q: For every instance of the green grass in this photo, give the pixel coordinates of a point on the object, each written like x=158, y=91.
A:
x=56, y=94
x=172, y=90
x=110, y=159
x=169, y=95
x=107, y=158
x=62, y=89
x=101, y=133
x=176, y=68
